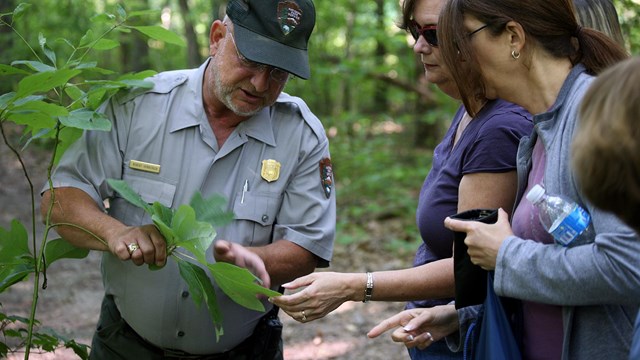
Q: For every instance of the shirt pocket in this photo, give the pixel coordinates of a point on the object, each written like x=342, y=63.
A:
x=150, y=190
x=255, y=215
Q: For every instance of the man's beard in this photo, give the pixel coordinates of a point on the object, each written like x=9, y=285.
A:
x=225, y=92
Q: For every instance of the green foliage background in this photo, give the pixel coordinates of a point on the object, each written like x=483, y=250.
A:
x=366, y=86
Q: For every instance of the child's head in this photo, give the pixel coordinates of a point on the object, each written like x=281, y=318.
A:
x=606, y=148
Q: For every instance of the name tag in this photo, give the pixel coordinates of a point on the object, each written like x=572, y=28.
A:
x=144, y=166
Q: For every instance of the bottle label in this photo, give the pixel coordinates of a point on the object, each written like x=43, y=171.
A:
x=571, y=226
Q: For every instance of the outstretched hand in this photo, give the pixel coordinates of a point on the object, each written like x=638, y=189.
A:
x=323, y=293
x=483, y=240
x=225, y=251
x=419, y=327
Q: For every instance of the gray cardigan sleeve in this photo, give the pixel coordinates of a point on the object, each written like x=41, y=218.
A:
x=605, y=271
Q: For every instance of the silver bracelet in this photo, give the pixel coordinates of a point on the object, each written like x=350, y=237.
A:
x=368, y=291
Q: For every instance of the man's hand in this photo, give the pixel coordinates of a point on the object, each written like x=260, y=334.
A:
x=140, y=244
x=236, y=254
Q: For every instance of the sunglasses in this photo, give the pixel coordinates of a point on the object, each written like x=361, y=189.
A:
x=428, y=32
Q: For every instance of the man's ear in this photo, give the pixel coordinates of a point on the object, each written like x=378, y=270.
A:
x=216, y=34
x=517, y=36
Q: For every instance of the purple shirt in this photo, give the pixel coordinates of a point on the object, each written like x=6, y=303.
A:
x=488, y=144
x=542, y=330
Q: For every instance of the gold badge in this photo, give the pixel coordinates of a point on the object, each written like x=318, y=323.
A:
x=270, y=170
x=144, y=166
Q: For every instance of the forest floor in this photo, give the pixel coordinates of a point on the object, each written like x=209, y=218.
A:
x=70, y=304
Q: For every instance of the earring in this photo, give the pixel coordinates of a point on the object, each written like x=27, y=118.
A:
x=515, y=54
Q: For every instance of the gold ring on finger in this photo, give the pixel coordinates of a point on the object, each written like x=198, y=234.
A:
x=132, y=248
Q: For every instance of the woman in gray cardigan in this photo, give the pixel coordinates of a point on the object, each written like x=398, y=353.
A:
x=578, y=302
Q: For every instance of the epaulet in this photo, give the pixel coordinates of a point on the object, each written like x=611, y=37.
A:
x=163, y=83
x=309, y=117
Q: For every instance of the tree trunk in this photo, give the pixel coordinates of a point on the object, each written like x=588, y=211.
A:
x=381, y=99
x=193, y=53
x=134, y=48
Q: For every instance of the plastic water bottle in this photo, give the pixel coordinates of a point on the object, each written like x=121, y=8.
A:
x=565, y=220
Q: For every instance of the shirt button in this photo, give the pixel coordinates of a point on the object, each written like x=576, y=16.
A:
x=265, y=218
x=185, y=294
x=180, y=333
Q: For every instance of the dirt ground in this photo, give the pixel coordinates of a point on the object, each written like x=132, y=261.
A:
x=71, y=302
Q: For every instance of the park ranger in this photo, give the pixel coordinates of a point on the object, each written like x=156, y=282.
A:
x=224, y=128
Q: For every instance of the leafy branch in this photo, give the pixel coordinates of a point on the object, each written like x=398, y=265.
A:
x=191, y=227
x=55, y=103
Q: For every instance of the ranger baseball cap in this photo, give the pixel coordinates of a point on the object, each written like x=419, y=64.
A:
x=274, y=32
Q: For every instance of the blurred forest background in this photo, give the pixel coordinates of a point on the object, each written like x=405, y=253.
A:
x=367, y=86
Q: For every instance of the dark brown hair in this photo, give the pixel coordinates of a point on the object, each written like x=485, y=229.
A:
x=606, y=147
x=407, y=8
x=551, y=24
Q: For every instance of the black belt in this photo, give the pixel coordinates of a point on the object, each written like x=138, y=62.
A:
x=181, y=355
x=238, y=352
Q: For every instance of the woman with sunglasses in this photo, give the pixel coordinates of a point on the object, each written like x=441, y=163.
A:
x=473, y=167
x=577, y=302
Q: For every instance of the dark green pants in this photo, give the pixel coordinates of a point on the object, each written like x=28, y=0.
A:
x=114, y=339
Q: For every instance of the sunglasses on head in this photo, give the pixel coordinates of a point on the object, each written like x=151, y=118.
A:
x=428, y=32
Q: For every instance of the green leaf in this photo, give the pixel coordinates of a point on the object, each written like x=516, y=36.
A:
x=162, y=34
x=74, y=93
x=133, y=83
x=165, y=229
x=211, y=210
x=139, y=13
x=81, y=350
x=36, y=113
x=46, y=49
x=67, y=137
x=104, y=44
x=163, y=213
x=240, y=285
x=200, y=288
x=20, y=10
x=61, y=249
x=16, y=260
x=138, y=76
x=86, y=65
x=34, y=65
x=86, y=38
x=128, y=194
x=27, y=99
x=195, y=236
x=10, y=275
x=121, y=12
x=6, y=99
x=86, y=120
x=102, y=18
x=14, y=243
x=10, y=70
x=44, y=81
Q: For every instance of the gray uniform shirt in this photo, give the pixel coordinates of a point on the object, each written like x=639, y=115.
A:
x=598, y=283
x=167, y=126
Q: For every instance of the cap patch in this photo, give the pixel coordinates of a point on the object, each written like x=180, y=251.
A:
x=289, y=16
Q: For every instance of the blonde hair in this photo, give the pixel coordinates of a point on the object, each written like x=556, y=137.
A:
x=606, y=147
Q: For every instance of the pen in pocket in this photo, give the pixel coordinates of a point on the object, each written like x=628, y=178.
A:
x=245, y=188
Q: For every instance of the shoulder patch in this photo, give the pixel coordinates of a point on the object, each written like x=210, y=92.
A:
x=326, y=176
x=162, y=83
